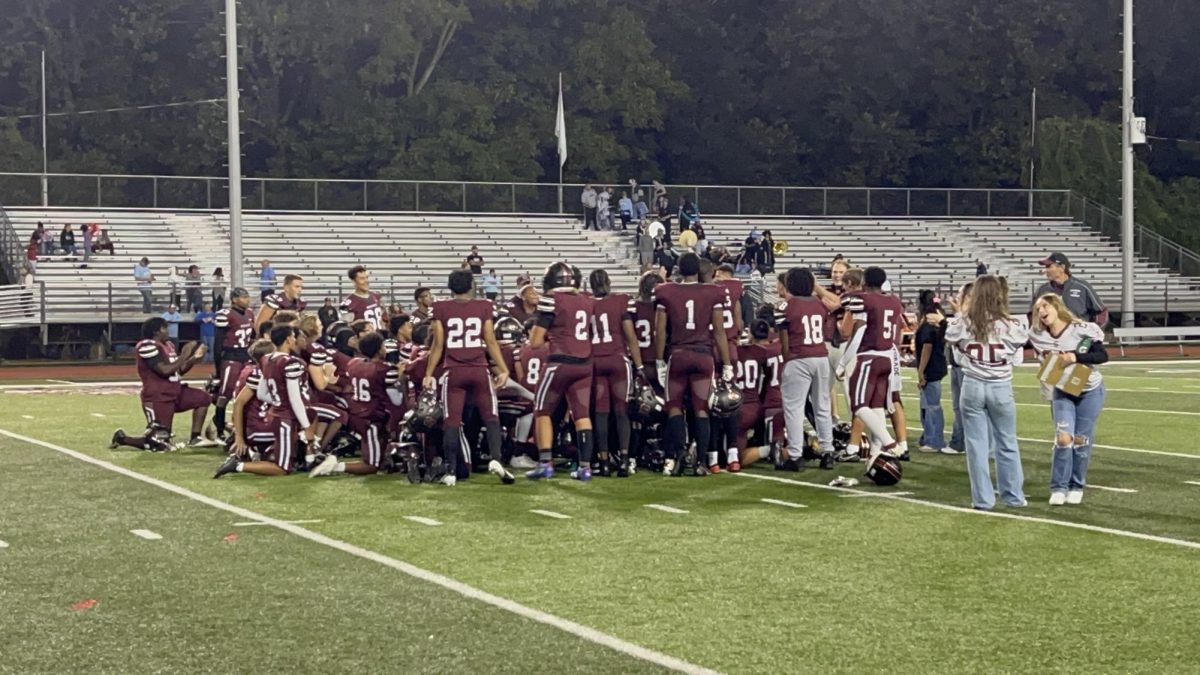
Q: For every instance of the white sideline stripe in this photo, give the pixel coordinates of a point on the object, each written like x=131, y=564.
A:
x=550, y=514
x=59, y=381
x=1192, y=482
x=423, y=520
x=97, y=414
x=84, y=385
x=1044, y=404
x=294, y=522
x=996, y=514
x=780, y=502
x=1142, y=390
x=1128, y=491
x=1163, y=453
x=28, y=417
x=1185, y=371
x=876, y=494
x=146, y=534
x=565, y=625
x=665, y=509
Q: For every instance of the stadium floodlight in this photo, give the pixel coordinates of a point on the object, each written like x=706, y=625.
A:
x=232, y=107
x=1127, y=122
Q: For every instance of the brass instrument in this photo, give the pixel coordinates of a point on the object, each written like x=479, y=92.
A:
x=780, y=247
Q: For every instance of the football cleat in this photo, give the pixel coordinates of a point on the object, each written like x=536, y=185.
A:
x=905, y=457
x=495, y=467
x=700, y=470
x=714, y=468
x=323, y=467
x=522, y=463
x=449, y=480
x=228, y=466
x=118, y=438
x=669, y=468
x=828, y=461
x=734, y=467
x=623, y=470
x=790, y=464
x=583, y=473
x=544, y=470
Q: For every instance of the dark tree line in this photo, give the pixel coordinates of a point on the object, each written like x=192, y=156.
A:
x=811, y=92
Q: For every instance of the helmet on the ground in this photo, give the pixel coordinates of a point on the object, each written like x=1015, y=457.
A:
x=885, y=469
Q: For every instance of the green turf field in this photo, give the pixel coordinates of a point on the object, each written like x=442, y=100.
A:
x=851, y=581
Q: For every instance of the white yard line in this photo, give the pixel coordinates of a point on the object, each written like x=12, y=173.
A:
x=914, y=399
x=993, y=514
x=1128, y=491
x=59, y=381
x=3, y=544
x=876, y=494
x=1143, y=390
x=146, y=534
x=550, y=514
x=83, y=385
x=1192, y=482
x=665, y=509
x=255, y=523
x=423, y=520
x=1163, y=453
x=565, y=625
x=780, y=502
x=28, y=417
x=97, y=414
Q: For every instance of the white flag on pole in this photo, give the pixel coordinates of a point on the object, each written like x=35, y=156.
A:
x=560, y=127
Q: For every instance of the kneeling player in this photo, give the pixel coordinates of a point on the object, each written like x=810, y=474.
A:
x=163, y=394
x=252, y=432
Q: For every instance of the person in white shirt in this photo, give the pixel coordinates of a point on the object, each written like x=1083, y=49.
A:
x=604, y=209
x=987, y=343
x=1057, y=331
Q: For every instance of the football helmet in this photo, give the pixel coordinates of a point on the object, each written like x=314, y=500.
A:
x=558, y=275
x=509, y=331
x=650, y=406
x=841, y=436
x=885, y=469
x=725, y=399
x=429, y=412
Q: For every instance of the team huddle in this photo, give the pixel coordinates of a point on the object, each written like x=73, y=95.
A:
x=681, y=377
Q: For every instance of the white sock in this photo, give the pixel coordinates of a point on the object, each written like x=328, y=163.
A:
x=712, y=458
x=852, y=450
x=902, y=447
x=731, y=455
x=340, y=467
x=309, y=459
x=876, y=424
x=240, y=466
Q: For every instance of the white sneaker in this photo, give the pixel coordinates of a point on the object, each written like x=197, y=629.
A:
x=950, y=451
x=522, y=462
x=449, y=480
x=324, y=468
x=1075, y=497
x=926, y=448
x=495, y=467
x=1058, y=498
x=669, y=467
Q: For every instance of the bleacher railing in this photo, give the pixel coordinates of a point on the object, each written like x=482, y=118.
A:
x=12, y=248
x=23, y=306
x=1148, y=244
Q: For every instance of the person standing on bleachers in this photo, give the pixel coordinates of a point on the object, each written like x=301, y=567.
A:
x=475, y=261
x=66, y=239
x=266, y=280
x=491, y=285
x=218, y=289
x=31, y=251
x=173, y=319
x=195, y=296
x=588, y=198
x=1076, y=293
x=85, y=233
x=145, y=280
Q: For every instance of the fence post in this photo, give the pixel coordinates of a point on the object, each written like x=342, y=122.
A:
x=99, y=200
x=110, y=313
x=989, y=204
x=513, y=187
x=783, y=201
x=262, y=194
x=208, y=192
x=464, y=209
x=868, y=202
x=417, y=193
x=45, y=327
x=824, y=201
x=365, y=208
x=947, y=203
x=155, y=189
x=316, y=196
x=908, y=202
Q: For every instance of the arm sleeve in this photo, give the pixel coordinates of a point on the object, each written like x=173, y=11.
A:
x=545, y=311
x=293, y=387
x=852, y=348
x=1094, y=356
x=781, y=320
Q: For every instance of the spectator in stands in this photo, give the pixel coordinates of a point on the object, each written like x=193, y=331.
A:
x=689, y=215
x=105, y=244
x=474, y=261
x=930, y=348
x=980, y=268
x=45, y=242
x=66, y=239
x=766, y=254
x=604, y=217
x=173, y=284
x=701, y=240
x=491, y=285
x=1076, y=293
x=424, y=307
x=646, y=245
x=266, y=280
x=588, y=199
x=195, y=296
x=206, y=317
x=28, y=281
x=640, y=210
x=625, y=208
x=218, y=291
x=328, y=314
x=173, y=319
x=145, y=280
x=31, y=251
x=85, y=233
x=662, y=207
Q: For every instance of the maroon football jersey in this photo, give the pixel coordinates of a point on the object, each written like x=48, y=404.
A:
x=533, y=361
x=250, y=377
x=770, y=363
x=643, y=328
x=369, y=381
x=278, y=301
x=884, y=315
x=239, y=329
x=608, y=334
x=462, y=321
x=735, y=288
x=689, y=307
x=516, y=308
x=277, y=370
x=364, y=309
x=567, y=316
x=749, y=377
x=805, y=320
x=155, y=387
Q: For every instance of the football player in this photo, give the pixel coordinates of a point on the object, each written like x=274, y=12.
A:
x=321, y=389
x=750, y=415
x=362, y=304
x=283, y=374
x=765, y=352
x=372, y=383
x=523, y=305
x=251, y=428
x=873, y=321
x=423, y=297
x=688, y=315
x=726, y=433
x=289, y=299
x=463, y=335
x=163, y=393
x=837, y=344
x=615, y=354
x=234, y=333
x=802, y=321
x=529, y=364
x=564, y=321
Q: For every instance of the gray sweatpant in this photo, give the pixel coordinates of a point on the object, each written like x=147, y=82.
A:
x=807, y=380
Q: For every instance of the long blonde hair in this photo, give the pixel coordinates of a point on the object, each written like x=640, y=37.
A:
x=1054, y=300
x=988, y=304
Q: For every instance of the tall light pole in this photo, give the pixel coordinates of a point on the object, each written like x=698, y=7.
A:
x=1127, y=168
x=232, y=107
x=45, y=163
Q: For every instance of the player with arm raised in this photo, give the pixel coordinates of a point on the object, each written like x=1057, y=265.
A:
x=689, y=316
x=163, y=392
x=362, y=304
x=564, y=321
x=615, y=356
x=463, y=339
x=801, y=321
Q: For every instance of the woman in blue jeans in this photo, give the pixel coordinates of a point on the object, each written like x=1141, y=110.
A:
x=987, y=343
x=1058, y=331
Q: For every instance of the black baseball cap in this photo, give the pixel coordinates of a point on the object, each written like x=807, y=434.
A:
x=238, y=293
x=1055, y=259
